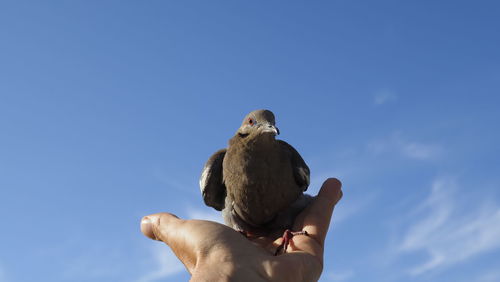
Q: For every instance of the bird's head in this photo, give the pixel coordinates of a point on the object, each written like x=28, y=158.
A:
x=258, y=123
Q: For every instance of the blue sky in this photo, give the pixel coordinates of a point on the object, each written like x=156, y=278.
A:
x=109, y=109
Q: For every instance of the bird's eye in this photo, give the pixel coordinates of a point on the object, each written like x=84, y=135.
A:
x=251, y=121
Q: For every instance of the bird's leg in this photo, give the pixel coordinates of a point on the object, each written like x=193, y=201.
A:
x=287, y=237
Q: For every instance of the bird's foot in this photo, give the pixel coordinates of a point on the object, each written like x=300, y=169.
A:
x=287, y=237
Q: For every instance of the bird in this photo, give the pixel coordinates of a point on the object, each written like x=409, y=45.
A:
x=258, y=181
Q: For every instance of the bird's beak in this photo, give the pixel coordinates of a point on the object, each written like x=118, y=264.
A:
x=270, y=128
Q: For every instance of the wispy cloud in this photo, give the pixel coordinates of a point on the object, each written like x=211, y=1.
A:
x=176, y=182
x=451, y=231
x=338, y=276
x=3, y=274
x=409, y=149
x=92, y=262
x=419, y=151
x=383, y=96
x=489, y=276
x=167, y=264
x=204, y=214
x=350, y=206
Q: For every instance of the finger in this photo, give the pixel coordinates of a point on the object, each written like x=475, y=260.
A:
x=150, y=225
x=171, y=230
x=316, y=217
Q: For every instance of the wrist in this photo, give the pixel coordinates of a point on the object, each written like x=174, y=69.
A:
x=227, y=268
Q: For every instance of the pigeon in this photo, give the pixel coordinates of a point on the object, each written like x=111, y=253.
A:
x=258, y=181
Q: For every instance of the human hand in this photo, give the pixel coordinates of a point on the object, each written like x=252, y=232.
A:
x=214, y=252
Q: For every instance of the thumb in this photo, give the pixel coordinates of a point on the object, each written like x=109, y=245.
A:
x=157, y=226
x=175, y=233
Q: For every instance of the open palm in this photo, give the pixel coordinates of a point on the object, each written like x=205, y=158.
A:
x=214, y=252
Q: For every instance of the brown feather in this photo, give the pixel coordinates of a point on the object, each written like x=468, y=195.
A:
x=261, y=178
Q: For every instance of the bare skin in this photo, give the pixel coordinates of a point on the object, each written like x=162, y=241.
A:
x=214, y=252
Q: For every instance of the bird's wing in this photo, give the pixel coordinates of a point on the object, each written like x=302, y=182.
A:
x=211, y=183
x=300, y=169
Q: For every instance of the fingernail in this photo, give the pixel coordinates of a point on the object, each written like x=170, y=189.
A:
x=147, y=227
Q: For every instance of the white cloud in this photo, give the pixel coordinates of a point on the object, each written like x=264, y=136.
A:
x=383, y=96
x=3, y=275
x=338, y=276
x=489, y=276
x=419, y=151
x=350, y=206
x=451, y=231
x=92, y=262
x=205, y=214
x=176, y=182
x=167, y=264
x=410, y=149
